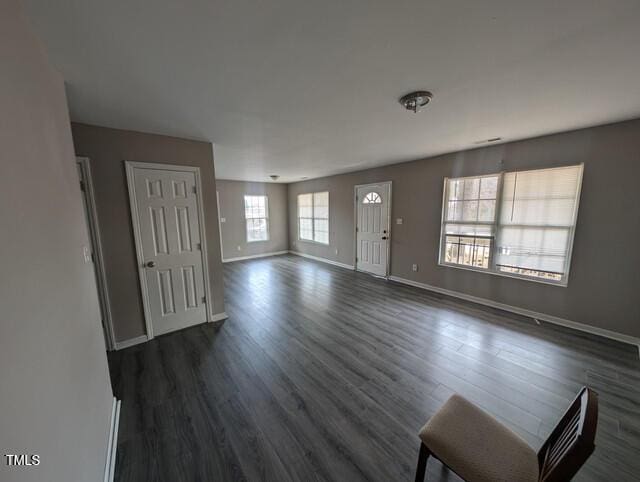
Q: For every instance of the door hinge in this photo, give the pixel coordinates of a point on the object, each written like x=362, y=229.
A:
x=82, y=186
x=357, y=229
x=204, y=299
x=194, y=190
x=356, y=259
x=199, y=246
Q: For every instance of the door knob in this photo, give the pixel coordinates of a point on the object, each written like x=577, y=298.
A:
x=150, y=264
x=384, y=237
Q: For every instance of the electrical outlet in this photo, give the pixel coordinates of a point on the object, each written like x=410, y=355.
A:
x=399, y=221
x=223, y=220
x=414, y=267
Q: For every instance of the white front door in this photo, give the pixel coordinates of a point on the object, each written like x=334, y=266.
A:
x=372, y=228
x=167, y=225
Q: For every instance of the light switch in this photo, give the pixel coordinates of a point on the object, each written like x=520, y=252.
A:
x=399, y=221
x=223, y=220
x=86, y=252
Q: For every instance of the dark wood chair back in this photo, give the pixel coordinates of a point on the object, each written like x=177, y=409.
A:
x=572, y=440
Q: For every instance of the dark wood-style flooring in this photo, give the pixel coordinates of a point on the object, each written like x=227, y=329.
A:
x=321, y=373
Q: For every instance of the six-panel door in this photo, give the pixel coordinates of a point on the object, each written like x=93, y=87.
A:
x=167, y=209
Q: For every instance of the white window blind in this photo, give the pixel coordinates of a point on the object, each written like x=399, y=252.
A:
x=313, y=217
x=515, y=223
x=538, y=212
x=256, y=213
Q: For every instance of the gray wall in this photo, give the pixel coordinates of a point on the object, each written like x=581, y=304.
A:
x=605, y=268
x=107, y=150
x=56, y=396
x=231, y=196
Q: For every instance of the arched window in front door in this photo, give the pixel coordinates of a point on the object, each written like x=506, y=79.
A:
x=372, y=198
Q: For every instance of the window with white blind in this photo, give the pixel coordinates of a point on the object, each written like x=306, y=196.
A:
x=514, y=223
x=256, y=214
x=313, y=217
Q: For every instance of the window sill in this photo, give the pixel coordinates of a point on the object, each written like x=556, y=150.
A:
x=257, y=241
x=561, y=284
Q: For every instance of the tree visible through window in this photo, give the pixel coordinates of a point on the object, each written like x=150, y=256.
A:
x=256, y=214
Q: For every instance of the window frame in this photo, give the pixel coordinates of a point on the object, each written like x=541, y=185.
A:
x=493, y=269
x=266, y=218
x=494, y=224
x=313, y=218
x=374, y=199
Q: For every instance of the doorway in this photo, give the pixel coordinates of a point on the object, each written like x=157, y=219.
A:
x=373, y=212
x=91, y=217
x=168, y=223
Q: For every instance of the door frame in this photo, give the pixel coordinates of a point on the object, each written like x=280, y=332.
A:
x=355, y=225
x=96, y=245
x=219, y=224
x=130, y=167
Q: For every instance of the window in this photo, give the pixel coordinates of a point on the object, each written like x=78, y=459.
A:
x=514, y=223
x=313, y=217
x=372, y=198
x=256, y=214
x=469, y=220
x=537, y=220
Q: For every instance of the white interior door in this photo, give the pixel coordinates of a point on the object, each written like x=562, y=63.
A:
x=168, y=240
x=372, y=228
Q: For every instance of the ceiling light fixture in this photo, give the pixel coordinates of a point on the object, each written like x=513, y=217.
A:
x=416, y=100
x=274, y=177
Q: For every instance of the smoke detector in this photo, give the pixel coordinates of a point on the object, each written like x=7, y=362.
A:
x=416, y=100
x=274, y=177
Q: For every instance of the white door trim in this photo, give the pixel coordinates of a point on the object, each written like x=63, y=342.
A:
x=355, y=223
x=219, y=225
x=94, y=233
x=112, y=444
x=130, y=166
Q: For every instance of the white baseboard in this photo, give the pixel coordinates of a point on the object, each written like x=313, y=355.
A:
x=323, y=260
x=121, y=345
x=522, y=311
x=253, y=256
x=131, y=342
x=219, y=317
x=112, y=444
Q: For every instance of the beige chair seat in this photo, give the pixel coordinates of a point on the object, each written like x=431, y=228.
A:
x=476, y=446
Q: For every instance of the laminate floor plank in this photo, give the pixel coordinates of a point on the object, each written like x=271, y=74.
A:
x=338, y=400
x=325, y=374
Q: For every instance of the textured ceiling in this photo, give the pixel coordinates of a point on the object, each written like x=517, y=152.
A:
x=310, y=88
